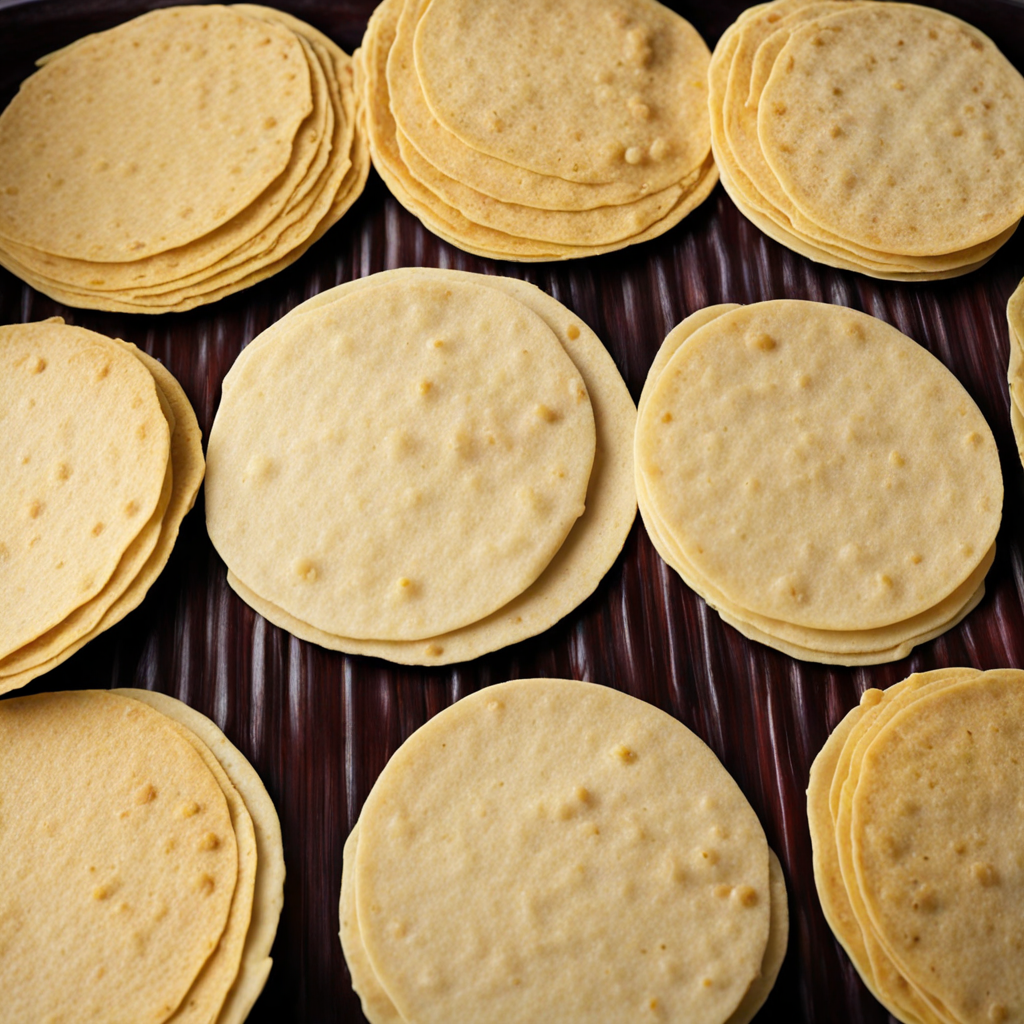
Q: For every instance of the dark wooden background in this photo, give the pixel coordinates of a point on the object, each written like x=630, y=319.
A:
x=319, y=726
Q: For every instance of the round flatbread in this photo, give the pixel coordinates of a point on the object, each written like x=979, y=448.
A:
x=86, y=444
x=755, y=51
x=593, y=542
x=904, y=118
x=878, y=859
x=200, y=257
x=936, y=861
x=786, y=451
x=634, y=847
x=845, y=647
x=119, y=851
x=495, y=207
x=132, y=579
x=267, y=894
x=411, y=457
x=630, y=105
x=117, y=122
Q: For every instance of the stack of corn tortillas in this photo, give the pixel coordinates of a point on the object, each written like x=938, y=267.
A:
x=423, y=466
x=1015, y=322
x=529, y=131
x=143, y=872
x=915, y=818
x=817, y=477
x=499, y=871
x=102, y=460
x=878, y=137
x=177, y=158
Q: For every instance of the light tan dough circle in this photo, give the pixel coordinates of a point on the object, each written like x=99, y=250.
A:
x=828, y=777
x=119, y=852
x=513, y=81
x=268, y=888
x=905, y=119
x=98, y=151
x=843, y=647
x=894, y=986
x=377, y=1007
x=247, y=234
x=934, y=828
x=85, y=616
x=85, y=446
x=132, y=579
x=465, y=197
x=204, y=999
x=410, y=458
x=631, y=844
x=742, y=63
x=593, y=542
x=819, y=467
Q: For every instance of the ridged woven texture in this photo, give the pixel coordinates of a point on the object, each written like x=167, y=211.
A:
x=319, y=726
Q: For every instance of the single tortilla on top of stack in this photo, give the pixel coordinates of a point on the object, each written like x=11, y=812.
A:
x=788, y=470
x=641, y=882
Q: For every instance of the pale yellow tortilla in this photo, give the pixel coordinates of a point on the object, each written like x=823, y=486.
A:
x=132, y=118
x=88, y=443
x=922, y=162
x=188, y=466
x=349, y=192
x=445, y=220
x=629, y=106
x=741, y=64
x=203, y=1000
x=121, y=855
x=324, y=175
x=85, y=617
x=702, y=443
x=775, y=951
x=936, y=862
x=591, y=546
x=849, y=647
x=893, y=984
x=637, y=839
x=248, y=233
x=268, y=889
x=456, y=392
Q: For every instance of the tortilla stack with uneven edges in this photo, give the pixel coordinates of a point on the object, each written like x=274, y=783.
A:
x=497, y=872
x=884, y=138
x=915, y=818
x=104, y=460
x=532, y=132
x=178, y=158
x=140, y=845
x=822, y=481
x=437, y=464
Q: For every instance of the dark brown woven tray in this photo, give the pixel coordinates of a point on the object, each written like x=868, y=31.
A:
x=319, y=726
